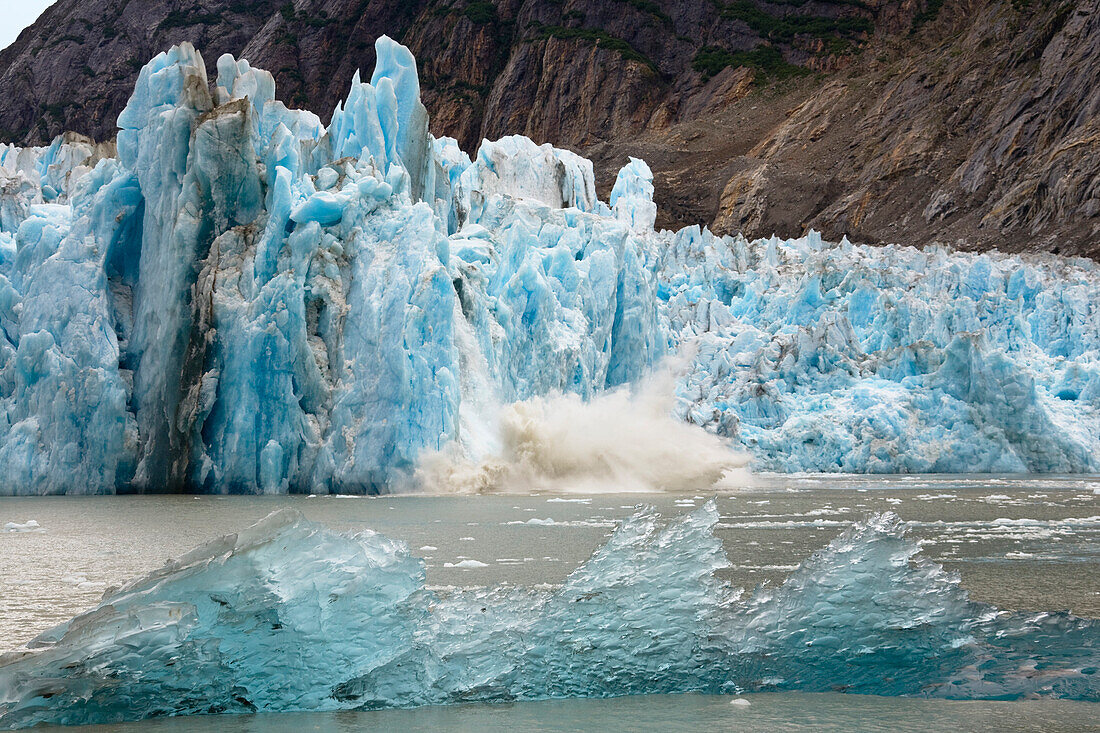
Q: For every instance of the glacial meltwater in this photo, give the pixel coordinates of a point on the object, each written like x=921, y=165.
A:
x=526, y=597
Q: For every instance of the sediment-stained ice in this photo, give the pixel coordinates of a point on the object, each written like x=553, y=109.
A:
x=288, y=615
x=243, y=300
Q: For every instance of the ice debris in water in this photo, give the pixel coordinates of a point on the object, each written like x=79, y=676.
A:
x=288, y=615
x=243, y=300
x=31, y=525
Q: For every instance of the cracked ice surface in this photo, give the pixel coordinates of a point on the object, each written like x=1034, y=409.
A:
x=242, y=300
x=836, y=357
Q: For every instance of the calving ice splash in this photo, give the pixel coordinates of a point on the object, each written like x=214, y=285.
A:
x=240, y=299
x=620, y=440
x=290, y=616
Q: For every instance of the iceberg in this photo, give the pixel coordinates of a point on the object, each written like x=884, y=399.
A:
x=31, y=525
x=290, y=616
x=240, y=299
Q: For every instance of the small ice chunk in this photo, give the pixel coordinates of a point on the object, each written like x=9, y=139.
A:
x=30, y=525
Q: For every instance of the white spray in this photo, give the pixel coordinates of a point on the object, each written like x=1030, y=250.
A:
x=624, y=440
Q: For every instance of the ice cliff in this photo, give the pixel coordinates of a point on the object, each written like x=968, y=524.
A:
x=288, y=615
x=243, y=300
x=835, y=357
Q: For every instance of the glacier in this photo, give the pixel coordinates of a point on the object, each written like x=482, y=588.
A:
x=236, y=298
x=290, y=616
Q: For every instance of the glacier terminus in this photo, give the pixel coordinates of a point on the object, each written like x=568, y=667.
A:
x=238, y=299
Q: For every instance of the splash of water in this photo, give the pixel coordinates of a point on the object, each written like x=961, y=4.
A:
x=622, y=440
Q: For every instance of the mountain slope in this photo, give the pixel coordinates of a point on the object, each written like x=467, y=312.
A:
x=970, y=122
x=981, y=132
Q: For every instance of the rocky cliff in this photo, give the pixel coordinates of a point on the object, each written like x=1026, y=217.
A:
x=969, y=122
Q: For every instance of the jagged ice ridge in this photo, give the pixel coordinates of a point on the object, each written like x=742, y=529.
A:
x=289, y=616
x=243, y=300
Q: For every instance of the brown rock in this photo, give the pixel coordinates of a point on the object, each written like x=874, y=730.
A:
x=978, y=126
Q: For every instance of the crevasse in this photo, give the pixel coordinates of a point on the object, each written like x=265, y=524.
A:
x=243, y=300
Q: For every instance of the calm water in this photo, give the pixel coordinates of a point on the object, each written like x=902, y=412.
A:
x=766, y=713
x=1019, y=543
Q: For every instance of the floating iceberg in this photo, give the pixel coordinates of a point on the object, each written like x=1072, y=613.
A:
x=243, y=300
x=31, y=525
x=288, y=615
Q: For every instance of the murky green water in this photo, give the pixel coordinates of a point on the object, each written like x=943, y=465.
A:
x=1019, y=543
x=765, y=713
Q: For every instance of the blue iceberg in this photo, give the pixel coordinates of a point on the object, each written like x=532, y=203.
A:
x=240, y=299
x=290, y=616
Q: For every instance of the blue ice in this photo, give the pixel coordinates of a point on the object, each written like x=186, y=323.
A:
x=243, y=300
x=290, y=616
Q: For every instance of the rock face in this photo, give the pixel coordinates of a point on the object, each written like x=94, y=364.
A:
x=575, y=72
x=986, y=138
x=973, y=124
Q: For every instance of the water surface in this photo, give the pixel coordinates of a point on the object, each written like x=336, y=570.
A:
x=1020, y=543
x=766, y=713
